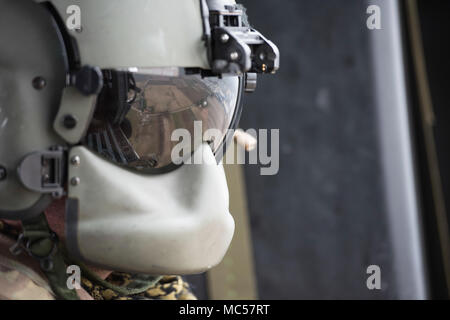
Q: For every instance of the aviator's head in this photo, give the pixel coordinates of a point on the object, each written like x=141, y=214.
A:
x=90, y=98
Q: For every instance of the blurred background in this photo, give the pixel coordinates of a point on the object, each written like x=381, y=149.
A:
x=364, y=176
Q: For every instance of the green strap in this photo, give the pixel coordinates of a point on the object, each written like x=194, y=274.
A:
x=41, y=243
x=140, y=283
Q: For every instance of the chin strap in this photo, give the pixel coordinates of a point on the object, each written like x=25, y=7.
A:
x=41, y=243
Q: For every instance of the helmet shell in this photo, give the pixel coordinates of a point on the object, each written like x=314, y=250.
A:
x=32, y=77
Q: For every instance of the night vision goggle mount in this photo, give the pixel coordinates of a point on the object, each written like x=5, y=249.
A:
x=233, y=46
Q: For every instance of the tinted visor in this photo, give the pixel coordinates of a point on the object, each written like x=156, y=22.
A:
x=137, y=113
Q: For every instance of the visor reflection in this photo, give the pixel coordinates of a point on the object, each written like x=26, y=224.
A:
x=137, y=113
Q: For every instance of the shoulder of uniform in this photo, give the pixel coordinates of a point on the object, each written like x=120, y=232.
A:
x=19, y=281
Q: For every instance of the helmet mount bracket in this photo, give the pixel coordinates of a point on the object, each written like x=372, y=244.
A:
x=233, y=46
x=43, y=171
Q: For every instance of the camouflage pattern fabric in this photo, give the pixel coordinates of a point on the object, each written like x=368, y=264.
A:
x=18, y=282
x=168, y=288
x=23, y=280
x=20, y=277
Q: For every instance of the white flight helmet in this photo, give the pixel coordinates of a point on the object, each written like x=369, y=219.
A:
x=99, y=89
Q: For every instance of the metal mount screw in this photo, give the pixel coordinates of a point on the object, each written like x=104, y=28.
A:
x=75, y=161
x=234, y=55
x=69, y=121
x=75, y=181
x=39, y=83
x=224, y=38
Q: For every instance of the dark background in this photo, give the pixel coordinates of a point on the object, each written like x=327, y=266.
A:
x=320, y=222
